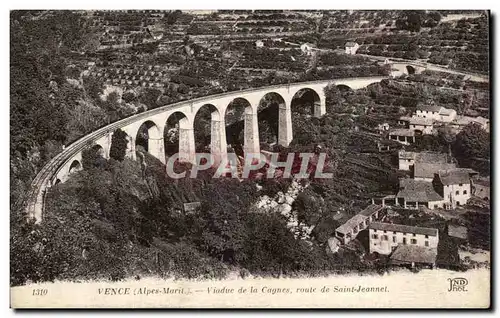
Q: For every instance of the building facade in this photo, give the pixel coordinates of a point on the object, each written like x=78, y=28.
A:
x=403, y=136
x=350, y=229
x=351, y=48
x=385, y=237
x=454, y=185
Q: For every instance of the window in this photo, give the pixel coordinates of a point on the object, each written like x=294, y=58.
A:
x=394, y=232
x=460, y=184
x=413, y=241
x=435, y=206
x=414, y=234
x=465, y=191
x=385, y=231
x=393, y=239
x=457, y=192
x=404, y=240
x=409, y=160
x=385, y=238
x=374, y=231
x=458, y=202
x=427, y=236
x=448, y=186
x=427, y=243
x=374, y=236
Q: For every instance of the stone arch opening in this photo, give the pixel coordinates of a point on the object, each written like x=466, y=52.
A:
x=268, y=115
x=148, y=130
x=241, y=127
x=205, y=121
x=98, y=150
x=75, y=166
x=410, y=69
x=175, y=132
x=343, y=88
x=306, y=101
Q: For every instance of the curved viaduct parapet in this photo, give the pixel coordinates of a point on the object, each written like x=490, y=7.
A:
x=58, y=168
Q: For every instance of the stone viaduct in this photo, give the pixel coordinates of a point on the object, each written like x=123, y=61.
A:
x=70, y=159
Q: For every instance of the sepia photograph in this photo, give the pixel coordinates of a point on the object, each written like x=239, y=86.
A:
x=250, y=158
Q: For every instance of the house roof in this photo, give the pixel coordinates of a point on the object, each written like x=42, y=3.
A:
x=457, y=231
x=402, y=132
x=403, y=228
x=351, y=223
x=371, y=209
x=404, y=118
x=431, y=157
x=417, y=191
x=407, y=154
x=412, y=253
x=350, y=44
x=427, y=170
x=421, y=121
x=429, y=108
x=465, y=120
x=447, y=111
x=454, y=176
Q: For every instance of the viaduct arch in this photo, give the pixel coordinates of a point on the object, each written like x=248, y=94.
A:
x=153, y=123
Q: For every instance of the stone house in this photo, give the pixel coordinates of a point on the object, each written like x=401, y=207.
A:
x=350, y=229
x=424, y=171
x=454, y=185
x=421, y=125
x=414, y=194
x=351, y=48
x=403, y=136
x=437, y=113
x=406, y=159
x=386, y=237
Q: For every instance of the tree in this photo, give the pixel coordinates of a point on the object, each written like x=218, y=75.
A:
x=119, y=143
x=472, y=143
x=410, y=20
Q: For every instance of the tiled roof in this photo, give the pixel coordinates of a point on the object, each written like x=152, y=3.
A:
x=429, y=108
x=405, y=254
x=465, y=120
x=454, y=176
x=350, y=44
x=431, y=157
x=403, y=228
x=371, y=209
x=407, y=154
x=427, y=170
x=457, y=231
x=351, y=223
x=421, y=121
x=446, y=111
x=417, y=191
x=402, y=132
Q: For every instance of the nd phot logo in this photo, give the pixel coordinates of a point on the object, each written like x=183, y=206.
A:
x=458, y=284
